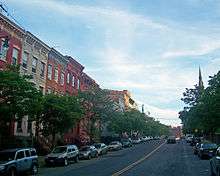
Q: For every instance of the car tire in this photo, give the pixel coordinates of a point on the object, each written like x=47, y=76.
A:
x=76, y=159
x=66, y=163
x=89, y=157
x=34, y=169
x=12, y=172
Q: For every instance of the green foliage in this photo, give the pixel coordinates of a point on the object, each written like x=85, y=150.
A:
x=60, y=113
x=17, y=95
x=135, y=121
x=204, y=115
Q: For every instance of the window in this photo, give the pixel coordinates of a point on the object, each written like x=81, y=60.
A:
x=49, y=72
x=49, y=91
x=62, y=79
x=78, y=84
x=25, y=60
x=3, y=50
x=19, y=126
x=42, y=69
x=33, y=153
x=29, y=127
x=73, y=81
x=34, y=65
x=41, y=89
x=56, y=74
x=14, y=56
x=68, y=78
x=27, y=153
x=20, y=155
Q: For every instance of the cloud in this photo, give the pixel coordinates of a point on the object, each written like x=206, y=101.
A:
x=203, y=49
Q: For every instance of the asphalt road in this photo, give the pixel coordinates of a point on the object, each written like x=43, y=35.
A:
x=153, y=158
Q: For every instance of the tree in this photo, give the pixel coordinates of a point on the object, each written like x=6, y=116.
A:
x=60, y=113
x=17, y=96
x=100, y=106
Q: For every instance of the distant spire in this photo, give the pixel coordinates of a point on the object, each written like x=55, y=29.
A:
x=142, y=108
x=200, y=79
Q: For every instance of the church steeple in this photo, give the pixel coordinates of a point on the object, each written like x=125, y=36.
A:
x=200, y=80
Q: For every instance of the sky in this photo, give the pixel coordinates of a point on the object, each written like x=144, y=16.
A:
x=152, y=48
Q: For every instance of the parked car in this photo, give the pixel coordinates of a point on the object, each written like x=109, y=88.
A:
x=101, y=148
x=171, y=140
x=207, y=150
x=136, y=141
x=215, y=164
x=144, y=138
x=88, y=152
x=196, y=148
x=62, y=155
x=195, y=140
x=17, y=161
x=189, y=138
x=115, y=145
x=126, y=143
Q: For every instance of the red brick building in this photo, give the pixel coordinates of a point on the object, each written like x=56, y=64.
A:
x=15, y=35
x=56, y=73
x=81, y=133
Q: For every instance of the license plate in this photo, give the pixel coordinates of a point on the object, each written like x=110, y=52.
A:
x=51, y=160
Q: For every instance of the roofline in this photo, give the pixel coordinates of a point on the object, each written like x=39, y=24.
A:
x=71, y=59
x=37, y=39
x=12, y=23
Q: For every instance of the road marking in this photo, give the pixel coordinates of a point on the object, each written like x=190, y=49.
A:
x=137, y=162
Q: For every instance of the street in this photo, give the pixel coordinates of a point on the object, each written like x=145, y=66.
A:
x=153, y=158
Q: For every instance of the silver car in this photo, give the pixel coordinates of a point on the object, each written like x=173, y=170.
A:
x=101, y=148
x=62, y=155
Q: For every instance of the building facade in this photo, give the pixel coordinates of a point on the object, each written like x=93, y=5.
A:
x=33, y=62
x=15, y=35
x=56, y=73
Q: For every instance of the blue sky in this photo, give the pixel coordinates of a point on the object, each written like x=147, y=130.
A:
x=152, y=48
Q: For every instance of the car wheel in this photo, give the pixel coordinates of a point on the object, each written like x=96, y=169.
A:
x=12, y=172
x=66, y=162
x=89, y=157
x=218, y=172
x=76, y=159
x=34, y=169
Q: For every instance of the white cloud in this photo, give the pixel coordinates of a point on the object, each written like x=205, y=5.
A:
x=203, y=49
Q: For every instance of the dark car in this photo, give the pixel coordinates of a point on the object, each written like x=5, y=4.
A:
x=17, y=161
x=207, y=150
x=196, y=148
x=61, y=155
x=101, y=148
x=126, y=143
x=195, y=140
x=215, y=164
x=171, y=140
x=88, y=152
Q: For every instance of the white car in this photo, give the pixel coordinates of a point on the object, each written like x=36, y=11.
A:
x=115, y=145
x=136, y=141
x=144, y=138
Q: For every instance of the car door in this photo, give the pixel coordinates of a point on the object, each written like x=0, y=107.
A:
x=20, y=160
x=28, y=159
x=69, y=153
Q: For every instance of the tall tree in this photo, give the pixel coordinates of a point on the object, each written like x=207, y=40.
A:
x=60, y=113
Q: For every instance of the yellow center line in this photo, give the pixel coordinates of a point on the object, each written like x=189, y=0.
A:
x=137, y=162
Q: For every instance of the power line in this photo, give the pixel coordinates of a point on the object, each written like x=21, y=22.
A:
x=4, y=8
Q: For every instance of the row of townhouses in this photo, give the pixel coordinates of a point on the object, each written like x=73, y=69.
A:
x=52, y=72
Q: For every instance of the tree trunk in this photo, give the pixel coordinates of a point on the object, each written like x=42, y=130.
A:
x=53, y=139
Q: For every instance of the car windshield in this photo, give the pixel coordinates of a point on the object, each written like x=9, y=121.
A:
x=59, y=150
x=209, y=146
x=7, y=156
x=97, y=145
x=84, y=148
